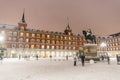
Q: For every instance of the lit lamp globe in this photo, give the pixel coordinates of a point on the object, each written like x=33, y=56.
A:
x=103, y=44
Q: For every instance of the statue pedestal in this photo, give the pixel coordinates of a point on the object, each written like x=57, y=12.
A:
x=91, y=52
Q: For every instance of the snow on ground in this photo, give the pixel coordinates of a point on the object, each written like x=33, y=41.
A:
x=46, y=69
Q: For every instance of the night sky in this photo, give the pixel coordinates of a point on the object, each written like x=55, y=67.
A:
x=102, y=16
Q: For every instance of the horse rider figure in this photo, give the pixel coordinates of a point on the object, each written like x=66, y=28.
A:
x=88, y=36
x=89, y=33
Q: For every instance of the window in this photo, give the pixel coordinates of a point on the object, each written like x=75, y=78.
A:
x=81, y=39
x=43, y=41
x=22, y=28
x=74, y=48
x=65, y=38
x=33, y=35
x=65, y=47
x=14, y=33
x=69, y=33
x=9, y=39
x=61, y=47
x=69, y=38
x=61, y=42
x=48, y=46
x=74, y=43
x=119, y=38
x=57, y=37
x=61, y=37
x=38, y=35
x=14, y=39
x=53, y=36
x=27, y=34
x=57, y=42
x=38, y=40
x=53, y=47
x=2, y=32
x=43, y=46
x=21, y=39
x=57, y=47
x=65, y=42
x=32, y=40
x=32, y=46
x=9, y=33
x=27, y=40
x=53, y=42
x=43, y=35
x=69, y=47
x=48, y=36
x=48, y=41
x=21, y=46
x=27, y=46
x=81, y=44
x=21, y=34
x=73, y=38
x=37, y=46
x=69, y=43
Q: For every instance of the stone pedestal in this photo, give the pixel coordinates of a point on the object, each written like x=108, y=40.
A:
x=91, y=52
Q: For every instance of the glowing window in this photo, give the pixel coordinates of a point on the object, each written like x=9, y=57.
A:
x=53, y=47
x=65, y=38
x=48, y=47
x=43, y=46
x=48, y=36
x=27, y=40
x=21, y=33
x=22, y=27
x=61, y=37
x=38, y=35
x=33, y=35
x=32, y=46
x=27, y=34
x=69, y=38
x=43, y=36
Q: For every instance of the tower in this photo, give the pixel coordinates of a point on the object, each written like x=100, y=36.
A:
x=22, y=24
x=68, y=31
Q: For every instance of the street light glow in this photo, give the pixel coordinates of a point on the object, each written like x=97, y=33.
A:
x=1, y=38
x=103, y=44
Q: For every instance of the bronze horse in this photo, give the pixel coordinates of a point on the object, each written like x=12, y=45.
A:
x=89, y=37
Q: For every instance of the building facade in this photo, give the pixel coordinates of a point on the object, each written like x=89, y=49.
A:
x=21, y=41
x=109, y=45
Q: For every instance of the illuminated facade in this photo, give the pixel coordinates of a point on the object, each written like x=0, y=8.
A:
x=18, y=40
x=112, y=46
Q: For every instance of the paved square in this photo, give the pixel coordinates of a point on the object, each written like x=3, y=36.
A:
x=44, y=69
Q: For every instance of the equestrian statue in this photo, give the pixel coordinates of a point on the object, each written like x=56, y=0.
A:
x=89, y=37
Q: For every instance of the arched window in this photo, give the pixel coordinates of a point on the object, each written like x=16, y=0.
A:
x=21, y=40
x=21, y=46
x=27, y=46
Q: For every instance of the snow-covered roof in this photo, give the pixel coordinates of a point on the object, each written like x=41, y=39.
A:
x=6, y=26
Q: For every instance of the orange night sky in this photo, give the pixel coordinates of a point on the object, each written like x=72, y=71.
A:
x=102, y=16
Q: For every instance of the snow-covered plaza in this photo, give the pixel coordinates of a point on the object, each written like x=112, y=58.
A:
x=46, y=69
